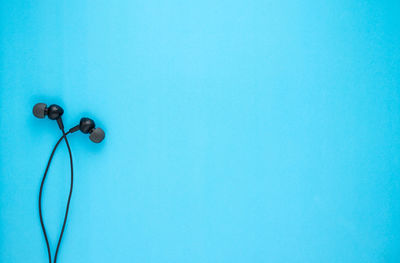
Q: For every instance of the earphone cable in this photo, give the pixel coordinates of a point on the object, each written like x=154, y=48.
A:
x=41, y=191
x=69, y=196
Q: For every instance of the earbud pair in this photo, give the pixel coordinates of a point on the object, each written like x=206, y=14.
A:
x=54, y=112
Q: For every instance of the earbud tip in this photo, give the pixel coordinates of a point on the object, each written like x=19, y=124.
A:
x=39, y=110
x=97, y=135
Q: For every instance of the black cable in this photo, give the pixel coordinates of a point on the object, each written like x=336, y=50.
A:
x=41, y=191
x=69, y=197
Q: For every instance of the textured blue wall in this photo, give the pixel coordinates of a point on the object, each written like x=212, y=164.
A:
x=237, y=131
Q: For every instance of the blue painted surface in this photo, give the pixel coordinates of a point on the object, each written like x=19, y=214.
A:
x=237, y=131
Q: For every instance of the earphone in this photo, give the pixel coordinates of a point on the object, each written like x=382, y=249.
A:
x=54, y=112
x=86, y=126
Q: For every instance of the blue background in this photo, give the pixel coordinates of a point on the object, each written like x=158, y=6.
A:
x=237, y=131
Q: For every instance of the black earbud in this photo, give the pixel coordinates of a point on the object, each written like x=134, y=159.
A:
x=86, y=126
x=54, y=112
